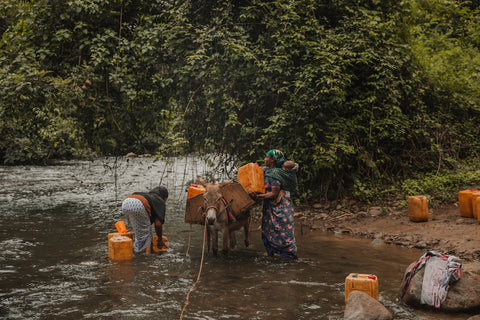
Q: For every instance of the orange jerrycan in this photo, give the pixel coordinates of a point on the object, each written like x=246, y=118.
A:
x=367, y=283
x=418, y=208
x=250, y=176
x=120, y=248
x=155, y=244
x=477, y=200
x=465, y=203
x=475, y=206
x=195, y=189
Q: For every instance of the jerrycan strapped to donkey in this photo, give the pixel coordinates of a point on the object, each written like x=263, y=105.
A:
x=194, y=190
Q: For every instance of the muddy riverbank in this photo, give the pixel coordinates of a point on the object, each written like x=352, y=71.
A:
x=445, y=231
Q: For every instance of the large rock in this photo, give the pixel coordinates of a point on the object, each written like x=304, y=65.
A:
x=360, y=306
x=463, y=295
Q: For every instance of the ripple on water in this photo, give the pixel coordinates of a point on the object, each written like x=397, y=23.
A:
x=54, y=254
x=15, y=249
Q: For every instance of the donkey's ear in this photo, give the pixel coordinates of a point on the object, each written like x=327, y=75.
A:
x=224, y=183
x=202, y=182
x=214, y=180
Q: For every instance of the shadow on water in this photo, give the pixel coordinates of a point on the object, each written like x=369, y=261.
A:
x=54, y=223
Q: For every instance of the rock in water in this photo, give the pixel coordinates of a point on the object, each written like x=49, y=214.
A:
x=463, y=295
x=360, y=306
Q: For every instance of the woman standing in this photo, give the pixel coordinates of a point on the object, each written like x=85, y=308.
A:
x=278, y=210
x=141, y=210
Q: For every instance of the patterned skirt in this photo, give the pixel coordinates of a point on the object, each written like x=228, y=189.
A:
x=277, y=229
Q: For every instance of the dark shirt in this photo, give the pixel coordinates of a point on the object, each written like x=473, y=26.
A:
x=157, y=206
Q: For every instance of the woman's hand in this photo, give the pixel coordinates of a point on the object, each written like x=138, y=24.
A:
x=162, y=244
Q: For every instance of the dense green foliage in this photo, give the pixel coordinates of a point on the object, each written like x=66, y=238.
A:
x=362, y=94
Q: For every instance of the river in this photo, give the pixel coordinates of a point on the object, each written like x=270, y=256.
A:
x=54, y=222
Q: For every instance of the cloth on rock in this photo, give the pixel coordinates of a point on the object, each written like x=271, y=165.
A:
x=440, y=272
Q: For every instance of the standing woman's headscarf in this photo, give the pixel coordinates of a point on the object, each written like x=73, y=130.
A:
x=278, y=156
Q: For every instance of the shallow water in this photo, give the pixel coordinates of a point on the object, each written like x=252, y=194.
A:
x=54, y=264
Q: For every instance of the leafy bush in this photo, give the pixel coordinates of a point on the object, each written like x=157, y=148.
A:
x=363, y=94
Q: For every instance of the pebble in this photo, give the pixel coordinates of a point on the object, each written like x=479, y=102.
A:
x=377, y=241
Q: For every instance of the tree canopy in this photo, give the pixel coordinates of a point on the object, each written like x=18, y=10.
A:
x=360, y=93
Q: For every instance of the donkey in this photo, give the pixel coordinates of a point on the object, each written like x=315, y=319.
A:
x=220, y=218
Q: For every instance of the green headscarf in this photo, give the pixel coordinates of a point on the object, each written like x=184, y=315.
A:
x=278, y=156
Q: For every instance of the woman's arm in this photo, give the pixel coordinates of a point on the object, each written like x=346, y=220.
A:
x=159, y=232
x=271, y=194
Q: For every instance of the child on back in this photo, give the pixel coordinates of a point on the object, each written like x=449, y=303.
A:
x=290, y=165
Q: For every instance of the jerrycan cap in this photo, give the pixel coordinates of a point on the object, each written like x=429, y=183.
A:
x=372, y=277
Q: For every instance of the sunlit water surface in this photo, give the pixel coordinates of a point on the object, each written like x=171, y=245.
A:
x=54, y=264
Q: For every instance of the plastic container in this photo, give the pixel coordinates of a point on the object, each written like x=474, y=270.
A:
x=121, y=228
x=155, y=244
x=367, y=283
x=477, y=200
x=195, y=189
x=475, y=205
x=418, y=208
x=250, y=176
x=465, y=203
x=120, y=248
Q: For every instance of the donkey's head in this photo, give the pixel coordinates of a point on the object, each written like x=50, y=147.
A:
x=213, y=199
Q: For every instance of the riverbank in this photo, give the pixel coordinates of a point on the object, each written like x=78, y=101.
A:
x=445, y=231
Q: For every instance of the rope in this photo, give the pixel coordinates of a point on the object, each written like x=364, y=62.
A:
x=189, y=237
x=199, y=271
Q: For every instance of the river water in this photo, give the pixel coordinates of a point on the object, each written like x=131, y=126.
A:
x=54, y=222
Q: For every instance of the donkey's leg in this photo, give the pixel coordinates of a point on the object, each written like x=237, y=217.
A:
x=214, y=239
x=226, y=233
x=233, y=239
x=246, y=230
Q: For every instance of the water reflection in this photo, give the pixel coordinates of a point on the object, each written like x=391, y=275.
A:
x=54, y=262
